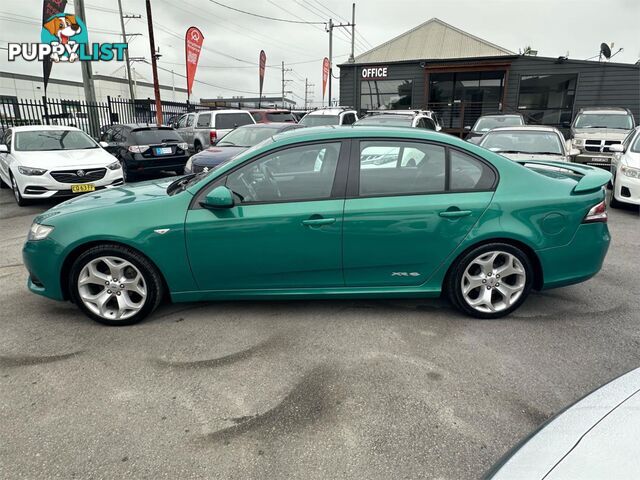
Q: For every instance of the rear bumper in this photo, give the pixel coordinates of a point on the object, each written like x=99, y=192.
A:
x=141, y=164
x=577, y=261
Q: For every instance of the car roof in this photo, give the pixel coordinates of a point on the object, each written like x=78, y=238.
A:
x=605, y=110
x=501, y=115
x=270, y=110
x=140, y=125
x=334, y=132
x=526, y=128
x=329, y=111
x=32, y=128
x=271, y=125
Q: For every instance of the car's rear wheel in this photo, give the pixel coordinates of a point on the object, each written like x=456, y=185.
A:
x=490, y=281
x=115, y=285
x=197, y=147
x=20, y=200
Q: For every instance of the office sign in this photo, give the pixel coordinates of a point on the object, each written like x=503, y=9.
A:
x=374, y=73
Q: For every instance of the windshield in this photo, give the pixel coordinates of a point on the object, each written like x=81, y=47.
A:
x=320, y=120
x=47, y=140
x=635, y=147
x=247, y=136
x=151, y=136
x=387, y=120
x=604, y=120
x=523, y=142
x=485, y=124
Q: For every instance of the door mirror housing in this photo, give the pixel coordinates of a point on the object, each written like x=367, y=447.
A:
x=467, y=128
x=4, y=149
x=615, y=148
x=219, y=198
x=574, y=152
x=104, y=144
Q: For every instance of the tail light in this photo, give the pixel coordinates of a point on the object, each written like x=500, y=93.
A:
x=138, y=148
x=213, y=137
x=598, y=213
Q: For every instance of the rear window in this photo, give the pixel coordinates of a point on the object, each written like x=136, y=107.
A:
x=487, y=123
x=320, y=120
x=232, y=120
x=387, y=120
x=604, y=120
x=204, y=120
x=280, y=117
x=150, y=136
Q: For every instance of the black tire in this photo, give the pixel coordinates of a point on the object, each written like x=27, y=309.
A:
x=20, y=200
x=150, y=274
x=3, y=185
x=453, y=283
x=179, y=171
x=197, y=147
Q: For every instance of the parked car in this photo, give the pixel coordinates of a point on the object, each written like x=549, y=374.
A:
x=146, y=149
x=297, y=217
x=203, y=129
x=595, y=130
x=298, y=114
x=234, y=143
x=625, y=166
x=595, y=438
x=329, y=116
x=488, y=122
x=273, y=115
x=47, y=161
x=528, y=143
x=401, y=118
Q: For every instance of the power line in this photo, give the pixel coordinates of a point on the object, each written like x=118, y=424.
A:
x=266, y=17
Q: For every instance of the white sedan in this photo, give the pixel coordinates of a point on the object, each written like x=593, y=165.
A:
x=625, y=167
x=528, y=143
x=45, y=161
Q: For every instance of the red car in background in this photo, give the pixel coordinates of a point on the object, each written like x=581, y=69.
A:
x=265, y=115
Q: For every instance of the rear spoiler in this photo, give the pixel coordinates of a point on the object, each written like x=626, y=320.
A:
x=593, y=178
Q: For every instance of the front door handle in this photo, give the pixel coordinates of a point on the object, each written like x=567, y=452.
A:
x=318, y=222
x=455, y=213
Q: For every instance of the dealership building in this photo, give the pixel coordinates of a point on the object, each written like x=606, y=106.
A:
x=439, y=67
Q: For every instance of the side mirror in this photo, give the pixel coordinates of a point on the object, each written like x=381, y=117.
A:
x=467, y=128
x=574, y=152
x=218, y=198
x=566, y=124
x=4, y=149
x=104, y=144
x=615, y=148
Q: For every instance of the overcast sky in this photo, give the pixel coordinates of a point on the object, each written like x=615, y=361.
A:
x=552, y=27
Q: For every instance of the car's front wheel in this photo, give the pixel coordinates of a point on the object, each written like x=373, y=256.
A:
x=490, y=281
x=115, y=285
x=20, y=200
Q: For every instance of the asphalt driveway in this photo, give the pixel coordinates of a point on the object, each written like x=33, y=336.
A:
x=324, y=389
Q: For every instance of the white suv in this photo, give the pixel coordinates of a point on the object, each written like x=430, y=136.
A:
x=329, y=116
x=425, y=119
x=203, y=129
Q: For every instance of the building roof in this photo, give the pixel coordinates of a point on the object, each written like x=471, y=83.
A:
x=434, y=39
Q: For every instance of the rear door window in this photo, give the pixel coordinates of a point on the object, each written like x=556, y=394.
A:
x=204, y=120
x=468, y=173
x=226, y=121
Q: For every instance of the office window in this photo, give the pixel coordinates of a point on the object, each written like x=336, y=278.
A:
x=386, y=94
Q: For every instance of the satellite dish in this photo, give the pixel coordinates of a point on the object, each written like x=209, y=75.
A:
x=605, y=51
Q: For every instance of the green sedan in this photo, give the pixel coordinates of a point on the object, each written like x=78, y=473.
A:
x=328, y=212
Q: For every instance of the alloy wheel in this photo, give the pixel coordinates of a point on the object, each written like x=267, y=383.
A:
x=112, y=288
x=493, y=281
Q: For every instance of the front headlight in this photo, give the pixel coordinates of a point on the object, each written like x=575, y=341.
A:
x=189, y=164
x=31, y=171
x=39, y=232
x=577, y=142
x=114, y=166
x=630, y=172
x=183, y=146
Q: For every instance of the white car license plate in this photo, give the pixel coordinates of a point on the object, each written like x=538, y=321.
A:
x=163, y=151
x=83, y=187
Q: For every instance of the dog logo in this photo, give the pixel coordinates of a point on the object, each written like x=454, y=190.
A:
x=66, y=30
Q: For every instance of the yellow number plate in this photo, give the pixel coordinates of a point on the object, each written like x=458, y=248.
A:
x=84, y=187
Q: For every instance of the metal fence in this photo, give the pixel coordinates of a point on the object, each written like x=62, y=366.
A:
x=93, y=118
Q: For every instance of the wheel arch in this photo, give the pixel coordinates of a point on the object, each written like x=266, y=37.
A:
x=538, y=275
x=78, y=250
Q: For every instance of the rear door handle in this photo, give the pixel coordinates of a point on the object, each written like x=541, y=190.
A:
x=318, y=222
x=455, y=213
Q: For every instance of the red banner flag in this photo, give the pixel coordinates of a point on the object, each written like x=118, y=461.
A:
x=261, y=69
x=193, y=45
x=325, y=75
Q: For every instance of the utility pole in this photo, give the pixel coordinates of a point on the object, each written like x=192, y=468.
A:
x=126, y=52
x=329, y=29
x=154, y=65
x=87, y=80
x=284, y=82
x=307, y=86
x=352, y=57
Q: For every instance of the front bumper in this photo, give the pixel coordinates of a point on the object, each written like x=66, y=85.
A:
x=40, y=259
x=602, y=160
x=577, y=261
x=627, y=189
x=45, y=186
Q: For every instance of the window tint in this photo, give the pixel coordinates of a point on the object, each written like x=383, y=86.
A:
x=429, y=124
x=467, y=173
x=348, y=119
x=107, y=135
x=204, y=120
x=401, y=168
x=7, y=139
x=295, y=174
x=182, y=122
x=117, y=135
x=190, y=120
x=280, y=117
x=150, y=136
x=46, y=140
x=232, y=120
